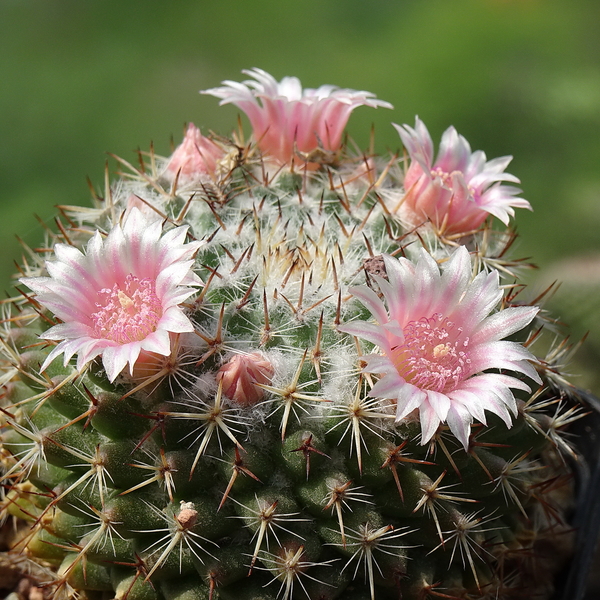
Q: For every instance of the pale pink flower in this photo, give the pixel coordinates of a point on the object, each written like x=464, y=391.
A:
x=196, y=156
x=437, y=341
x=121, y=297
x=241, y=374
x=460, y=189
x=286, y=119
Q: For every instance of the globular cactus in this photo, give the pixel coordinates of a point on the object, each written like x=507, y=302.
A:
x=278, y=369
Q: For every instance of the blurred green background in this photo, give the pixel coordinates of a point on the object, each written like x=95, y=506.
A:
x=521, y=77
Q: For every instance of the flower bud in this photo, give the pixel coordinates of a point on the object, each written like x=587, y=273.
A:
x=240, y=375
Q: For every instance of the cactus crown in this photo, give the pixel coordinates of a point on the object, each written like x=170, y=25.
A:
x=280, y=370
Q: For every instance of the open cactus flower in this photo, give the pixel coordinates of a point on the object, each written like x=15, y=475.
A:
x=287, y=371
x=287, y=120
x=438, y=341
x=121, y=297
x=460, y=189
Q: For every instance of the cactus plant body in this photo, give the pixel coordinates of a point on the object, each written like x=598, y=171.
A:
x=279, y=368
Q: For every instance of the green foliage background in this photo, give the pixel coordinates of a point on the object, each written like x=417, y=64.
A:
x=521, y=77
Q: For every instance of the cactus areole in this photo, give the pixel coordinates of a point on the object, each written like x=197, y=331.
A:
x=279, y=368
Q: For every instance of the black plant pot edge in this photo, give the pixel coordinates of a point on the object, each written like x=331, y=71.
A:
x=586, y=518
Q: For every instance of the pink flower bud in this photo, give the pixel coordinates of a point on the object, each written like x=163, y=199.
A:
x=142, y=205
x=195, y=156
x=240, y=375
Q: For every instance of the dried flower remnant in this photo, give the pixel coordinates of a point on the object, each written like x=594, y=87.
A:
x=287, y=120
x=188, y=515
x=437, y=339
x=458, y=191
x=121, y=297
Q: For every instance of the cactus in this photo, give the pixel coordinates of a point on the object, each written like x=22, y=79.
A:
x=278, y=369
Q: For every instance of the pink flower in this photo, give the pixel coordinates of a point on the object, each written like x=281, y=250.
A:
x=195, y=156
x=460, y=189
x=288, y=119
x=121, y=297
x=241, y=374
x=437, y=341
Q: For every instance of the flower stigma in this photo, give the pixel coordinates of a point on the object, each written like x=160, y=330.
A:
x=433, y=355
x=128, y=313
